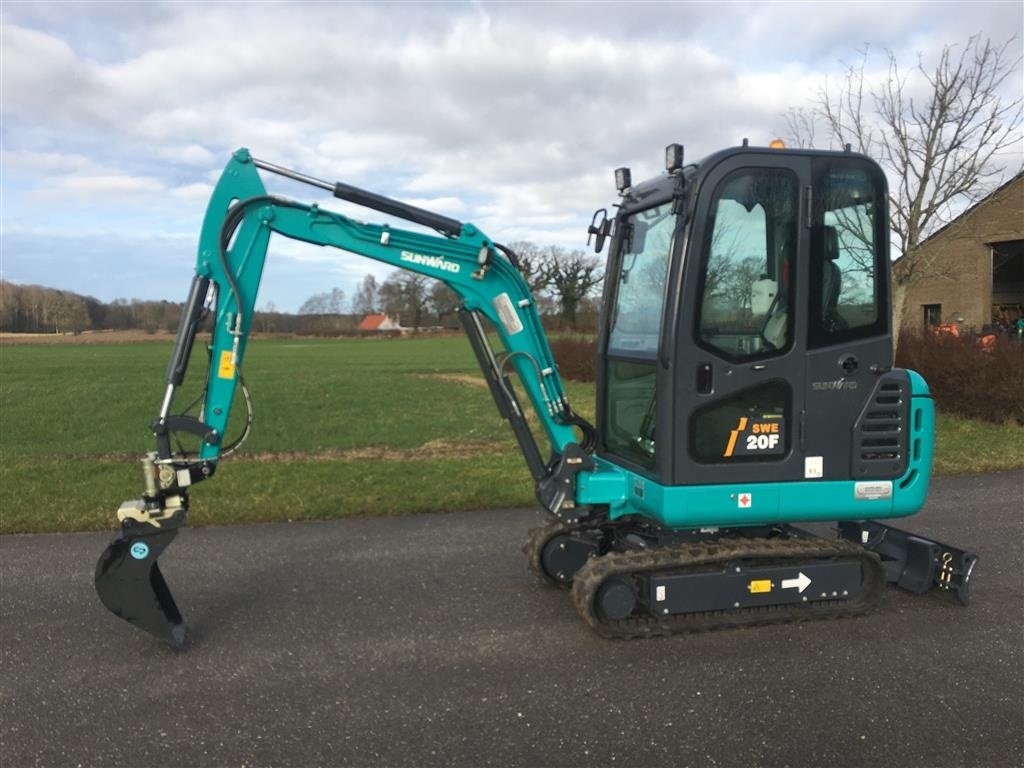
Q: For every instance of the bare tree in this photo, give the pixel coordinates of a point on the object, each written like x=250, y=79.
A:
x=801, y=126
x=12, y=307
x=404, y=295
x=365, y=300
x=444, y=303
x=330, y=302
x=264, y=317
x=533, y=264
x=573, y=275
x=65, y=312
x=940, y=132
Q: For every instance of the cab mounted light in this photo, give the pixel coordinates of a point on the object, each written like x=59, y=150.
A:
x=777, y=144
x=673, y=157
x=623, y=179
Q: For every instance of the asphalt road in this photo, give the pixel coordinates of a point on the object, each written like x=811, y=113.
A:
x=423, y=641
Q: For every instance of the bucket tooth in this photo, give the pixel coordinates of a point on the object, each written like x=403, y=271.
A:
x=130, y=585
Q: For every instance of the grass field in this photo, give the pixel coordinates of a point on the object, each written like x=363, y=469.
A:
x=341, y=428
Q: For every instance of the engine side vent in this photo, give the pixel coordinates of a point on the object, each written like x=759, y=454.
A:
x=880, y=434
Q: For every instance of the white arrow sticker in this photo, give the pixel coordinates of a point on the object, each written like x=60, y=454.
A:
x=800, y=583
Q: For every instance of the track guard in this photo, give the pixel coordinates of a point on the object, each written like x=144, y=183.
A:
x=913, y=562
x=130, y=585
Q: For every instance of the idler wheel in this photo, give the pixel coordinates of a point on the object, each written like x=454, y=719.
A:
x=616, y=599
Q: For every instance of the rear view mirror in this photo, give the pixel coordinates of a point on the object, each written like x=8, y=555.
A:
x=599, y=230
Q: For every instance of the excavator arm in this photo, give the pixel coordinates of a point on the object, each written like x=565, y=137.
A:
x=239, y=221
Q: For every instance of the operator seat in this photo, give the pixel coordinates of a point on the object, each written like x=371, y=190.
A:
x=831, y=280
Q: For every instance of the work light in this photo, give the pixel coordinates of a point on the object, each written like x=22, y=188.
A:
x=673, y=157
x=623, y=180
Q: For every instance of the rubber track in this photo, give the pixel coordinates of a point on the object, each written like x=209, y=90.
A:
x=752, y=552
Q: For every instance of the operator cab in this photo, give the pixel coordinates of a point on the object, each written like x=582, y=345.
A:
x=745, y=331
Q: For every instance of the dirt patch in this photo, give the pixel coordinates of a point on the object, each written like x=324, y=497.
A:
x=454, y=378
x=434, y=449
x=87, y=337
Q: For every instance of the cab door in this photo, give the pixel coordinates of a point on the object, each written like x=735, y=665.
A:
x=740, y=358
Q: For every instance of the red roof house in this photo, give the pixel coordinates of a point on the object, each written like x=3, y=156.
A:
x=379, y=323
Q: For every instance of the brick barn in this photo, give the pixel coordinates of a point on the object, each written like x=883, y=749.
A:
x=976, y=273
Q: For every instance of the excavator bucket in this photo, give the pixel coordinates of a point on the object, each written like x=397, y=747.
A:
x=129, y=583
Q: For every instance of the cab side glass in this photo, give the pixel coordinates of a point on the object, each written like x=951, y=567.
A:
x=846, y=258
x=631, y=410
x=749, y=258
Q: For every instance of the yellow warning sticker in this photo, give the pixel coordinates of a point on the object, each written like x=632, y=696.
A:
x=226, y=370
x=760, y=585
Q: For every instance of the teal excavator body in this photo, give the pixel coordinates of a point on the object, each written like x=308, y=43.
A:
x=745, y=385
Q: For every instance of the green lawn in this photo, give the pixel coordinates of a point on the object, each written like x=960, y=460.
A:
x=965, y=445
x=310, y=395
x=74, y=420
x=414, y=433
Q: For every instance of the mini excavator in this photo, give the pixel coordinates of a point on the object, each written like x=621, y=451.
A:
x=745, y=393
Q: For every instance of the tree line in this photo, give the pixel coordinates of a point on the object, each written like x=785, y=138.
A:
x=37, y=309
x=563, y=282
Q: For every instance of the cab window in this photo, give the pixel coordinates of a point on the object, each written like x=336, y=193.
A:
x=847, y=258
x=640, y=282
x=748, y=258
x=638, y=304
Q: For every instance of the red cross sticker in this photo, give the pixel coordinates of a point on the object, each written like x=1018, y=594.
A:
x=744, y=500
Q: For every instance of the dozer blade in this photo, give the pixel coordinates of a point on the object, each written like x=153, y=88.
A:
x=129, y=583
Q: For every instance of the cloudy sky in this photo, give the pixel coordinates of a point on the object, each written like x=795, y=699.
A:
x=117, y=117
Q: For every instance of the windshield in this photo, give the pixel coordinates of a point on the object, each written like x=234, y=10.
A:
x=640, y=282
x=631, y=405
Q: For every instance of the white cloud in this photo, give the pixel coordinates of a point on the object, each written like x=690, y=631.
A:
x=189, y=154
x=115, y=184
x=508, y=115
x=46, y=163
x=198, y=192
